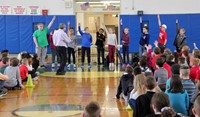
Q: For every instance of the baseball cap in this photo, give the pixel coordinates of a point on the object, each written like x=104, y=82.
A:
x=164, y=26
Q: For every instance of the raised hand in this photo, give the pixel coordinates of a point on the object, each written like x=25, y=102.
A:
x=68, y=23
x=156, y=43
x=121, y=22
x=54, y=17
x=158, y=16
x=177, y=21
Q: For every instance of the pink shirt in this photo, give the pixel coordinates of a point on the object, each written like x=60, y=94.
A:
x=1, y=64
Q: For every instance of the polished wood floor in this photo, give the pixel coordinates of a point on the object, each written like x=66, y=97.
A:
x=66, y=95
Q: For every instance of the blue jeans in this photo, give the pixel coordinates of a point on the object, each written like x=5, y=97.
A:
x=141, y=50
x=126, y=54
x=54, y=55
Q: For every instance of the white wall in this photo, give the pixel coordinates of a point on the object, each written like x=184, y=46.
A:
x=160, y=6
x=55, y=7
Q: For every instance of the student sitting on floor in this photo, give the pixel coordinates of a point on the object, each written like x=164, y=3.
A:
x=31, y=70
x=196, y=109
x=144, y=64
x=4, y=53
x=13, y=73
x=179, y=99
x=139, y=89
x=3, y=78
x=142, y=104
x=170, y=60
x=6, y=63
x=126, y=83
x=161, y=74
x=24, y=69
x=92, y=110
x=36, y=62
x=161, y=106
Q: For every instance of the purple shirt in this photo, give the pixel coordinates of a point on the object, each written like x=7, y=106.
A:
x=125, y=37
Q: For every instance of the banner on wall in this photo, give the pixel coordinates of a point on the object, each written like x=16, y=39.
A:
x=5, y=10
x=19, y=10
x=33, y=10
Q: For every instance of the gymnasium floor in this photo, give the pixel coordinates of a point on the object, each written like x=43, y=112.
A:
x=66, y=96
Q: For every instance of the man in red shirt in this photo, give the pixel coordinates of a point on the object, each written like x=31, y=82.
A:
x=162, y=39
x=24, y=69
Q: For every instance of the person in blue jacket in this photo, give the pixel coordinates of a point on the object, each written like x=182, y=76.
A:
x=86, y=43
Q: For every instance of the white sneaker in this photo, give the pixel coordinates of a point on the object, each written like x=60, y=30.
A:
x=68, y=66
x=74, y=66
x=35, y=78
x=110, y=66
x=52, y=65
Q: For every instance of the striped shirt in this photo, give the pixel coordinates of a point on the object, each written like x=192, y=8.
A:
x=189, y=86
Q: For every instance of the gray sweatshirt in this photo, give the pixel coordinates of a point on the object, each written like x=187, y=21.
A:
x=13, y=74
x=161, y=76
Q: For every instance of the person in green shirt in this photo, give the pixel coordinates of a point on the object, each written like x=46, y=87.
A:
x=40, y=40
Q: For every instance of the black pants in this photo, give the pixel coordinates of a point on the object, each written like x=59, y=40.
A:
x=126, y=54
x=85, y=49
x=71, y=52
x=61, y=50
x=178, y=49
x=100, y=53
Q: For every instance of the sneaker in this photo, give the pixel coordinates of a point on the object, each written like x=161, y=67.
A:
x=68, y=66
x=74, y=66
x=3, y=93
x=58, y=65
x=52, y=65
x=35, y=78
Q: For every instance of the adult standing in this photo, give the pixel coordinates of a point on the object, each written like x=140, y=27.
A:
x=60, y=40
x=41, y=42
x=100, y=43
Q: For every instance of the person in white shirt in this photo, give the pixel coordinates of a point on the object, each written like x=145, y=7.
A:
x=60, y=40
x=112, y=45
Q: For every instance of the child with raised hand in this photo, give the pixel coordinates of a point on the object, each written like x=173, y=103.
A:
x=72, y=46
x=112, y=45
x=161, y=106
x=100, y=43
x=13, y=73
x=125, y=43
x=86, y=43
x=180, y=39
x=162, y=39
x=145, y=37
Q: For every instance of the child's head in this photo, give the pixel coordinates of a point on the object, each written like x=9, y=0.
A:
x=40, y=26
x=195, y=61
x=145, y=29
x=181, y=60
x=54, y=30
x=196, y=108
x=110, y=30
x=159, y=62
x=159, y=101
x=86, y=30
x=143, y=62
x=126, y=30
x=185, y=48
x=170, y=58
x=150, y=83
x=137, y=71
x=164, y=27
x=101, y=30
x=184, y=71
x=175, y=84
x=14, y=62
x=196, y=53
x=156, y=51
x=182, y=31
x=175, y=69
x=164, y=57
x=62, y=26
x=71, y=31
x=147, y=74
x=167, y=52
x=129, y=70
x=25, y=61
x=139, y=82
x=6, y=60
x=92, y=110
x=35, y=56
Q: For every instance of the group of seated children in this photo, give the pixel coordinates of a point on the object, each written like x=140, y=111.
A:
x=14, y=71
x=162, y=84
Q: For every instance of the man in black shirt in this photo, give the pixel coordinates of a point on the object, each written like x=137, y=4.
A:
x=100, y=42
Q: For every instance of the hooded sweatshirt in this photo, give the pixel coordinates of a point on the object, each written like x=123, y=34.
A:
x=125, y=37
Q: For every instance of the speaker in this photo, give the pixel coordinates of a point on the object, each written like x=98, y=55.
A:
x=140, y=13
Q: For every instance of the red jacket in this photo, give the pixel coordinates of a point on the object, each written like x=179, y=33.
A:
x=168, y=68
x=193, y=72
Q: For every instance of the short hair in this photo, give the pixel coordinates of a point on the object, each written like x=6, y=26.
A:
x=143, y=62
x=14, y=62
x=195, y=61
x=181, y=60
x=176, y=85
x=160, y=62
x=101, y=29
x=150, y=82
x=164, y=57
x=137, y=71
x=24, y=61
x=4, y=55
x=129, y=69
x=62, y=26
x=86, y=28
x=157, y=50
x=170, y=58
x=197, y=106
x=35, y=56
x=146, y=27
x=185, y=48
x=5, y=60
x=71, y=28
x=40, y=24
x=185, y=71
x=196, y=53
x=4, y=51
x=160, y=100
x=167, y=52
x=176, y=69
x=92, y=110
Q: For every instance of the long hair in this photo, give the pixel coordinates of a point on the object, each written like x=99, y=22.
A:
x=176, y=85
x=139, y=83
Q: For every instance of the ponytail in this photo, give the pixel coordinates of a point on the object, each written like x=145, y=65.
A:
x=168, y=112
